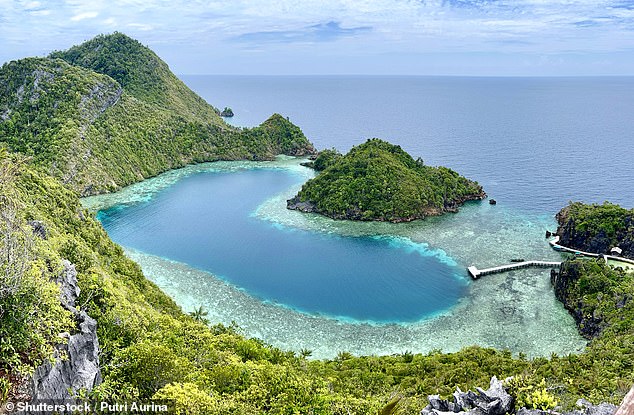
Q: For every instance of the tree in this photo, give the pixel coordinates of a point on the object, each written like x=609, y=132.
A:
x=199, y=315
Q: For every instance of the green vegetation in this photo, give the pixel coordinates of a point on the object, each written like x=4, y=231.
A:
x=227, y=112
x=141, y=73
x=109, y=113
x=150, y=348
x=379, y=181
x=593, y=219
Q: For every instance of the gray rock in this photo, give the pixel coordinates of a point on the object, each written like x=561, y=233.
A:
x=59, y=382
x=494, y=401
x=296, y=204
x=587, y=408
x=76, y=364
x=437, y=403
x=39, y=229
x=525, y=411
x=67, y=281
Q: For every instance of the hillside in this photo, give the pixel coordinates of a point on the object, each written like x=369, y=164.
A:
x=141, y=73
x=63, y=283
x=379, y=181
x=97, y=133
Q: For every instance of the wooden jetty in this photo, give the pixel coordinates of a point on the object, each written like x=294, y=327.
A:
x=475, y=273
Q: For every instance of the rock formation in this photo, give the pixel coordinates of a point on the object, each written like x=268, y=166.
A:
x=76, y=365
x=496, y=401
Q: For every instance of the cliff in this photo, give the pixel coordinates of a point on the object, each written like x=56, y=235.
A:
x=597, y=228
x=379, y=181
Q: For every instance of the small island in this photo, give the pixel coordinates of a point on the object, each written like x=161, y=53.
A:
x=227, y=112
x=379, y=181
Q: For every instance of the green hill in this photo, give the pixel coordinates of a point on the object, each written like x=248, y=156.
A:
x=379, y=181
x=97, y=131
x=141, y=73
x=121, y=116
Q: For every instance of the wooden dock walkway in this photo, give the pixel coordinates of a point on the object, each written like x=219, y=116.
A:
x=555, y=244
x=475, y=273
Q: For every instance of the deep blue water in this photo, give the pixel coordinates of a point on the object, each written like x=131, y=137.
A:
x=534, y=143
x=204, y=220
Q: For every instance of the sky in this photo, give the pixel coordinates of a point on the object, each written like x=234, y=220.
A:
x=373, y=37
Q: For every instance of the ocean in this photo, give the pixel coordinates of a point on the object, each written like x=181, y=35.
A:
x=533, y=143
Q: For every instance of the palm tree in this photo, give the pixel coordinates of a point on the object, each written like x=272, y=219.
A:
x=199, y=314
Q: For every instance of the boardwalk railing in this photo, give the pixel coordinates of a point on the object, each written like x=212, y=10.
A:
x=475, y=273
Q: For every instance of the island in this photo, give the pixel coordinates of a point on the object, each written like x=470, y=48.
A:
x=379, y=181
x=603, y=229
x=227, y=112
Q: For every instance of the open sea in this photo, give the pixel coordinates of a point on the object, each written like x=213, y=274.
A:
x=218, y=234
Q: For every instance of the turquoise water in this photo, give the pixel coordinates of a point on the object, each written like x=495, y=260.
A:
x=204, y=220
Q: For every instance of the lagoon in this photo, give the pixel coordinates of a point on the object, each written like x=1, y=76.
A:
x=205, y=220
x=422, y=262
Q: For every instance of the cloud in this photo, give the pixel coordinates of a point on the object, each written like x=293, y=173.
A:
x=141, y=26
x=412, y=28
x=84, y=16
x=323, y=32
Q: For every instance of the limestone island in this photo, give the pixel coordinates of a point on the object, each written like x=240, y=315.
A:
x=379, y=181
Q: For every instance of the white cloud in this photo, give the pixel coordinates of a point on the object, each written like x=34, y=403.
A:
x=84, y=16
x=407, y=27
x=32, y=5
x=43, y=12
x=141, y=26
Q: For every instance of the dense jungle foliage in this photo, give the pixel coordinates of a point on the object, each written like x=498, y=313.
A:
x=324, y=159
x=380, y=181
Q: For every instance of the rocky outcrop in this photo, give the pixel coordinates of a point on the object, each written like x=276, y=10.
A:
x=76, y=365
x=590, y=325
x=574, y=233
x=494, y=401
x=585, y=408
x=39, y=229
x=296, y=204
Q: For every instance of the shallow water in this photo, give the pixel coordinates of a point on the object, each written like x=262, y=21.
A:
x=515, y=310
